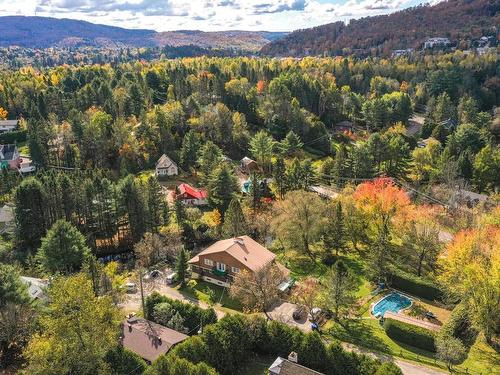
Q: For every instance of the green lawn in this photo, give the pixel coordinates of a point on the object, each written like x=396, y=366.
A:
x=482, y=359
x=200, y=291
x=368, y=333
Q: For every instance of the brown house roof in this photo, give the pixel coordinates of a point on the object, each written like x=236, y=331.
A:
x=148, y=339
x=244, y=249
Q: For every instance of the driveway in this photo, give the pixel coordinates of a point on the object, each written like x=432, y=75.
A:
x=282, y=312
x=133, y=301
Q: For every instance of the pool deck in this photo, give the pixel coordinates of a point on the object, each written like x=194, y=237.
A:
x=413, y=321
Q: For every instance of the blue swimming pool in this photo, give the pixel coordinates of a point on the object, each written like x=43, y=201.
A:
x=393, y=302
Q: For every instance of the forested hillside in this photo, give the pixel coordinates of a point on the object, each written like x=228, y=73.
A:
x=345, y=189
x=459, y=20
x=43, y=32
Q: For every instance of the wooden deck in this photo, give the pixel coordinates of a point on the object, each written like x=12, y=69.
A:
x=414, y=321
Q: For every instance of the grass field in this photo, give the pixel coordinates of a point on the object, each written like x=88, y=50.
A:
x=482, y=359
x=211, y=294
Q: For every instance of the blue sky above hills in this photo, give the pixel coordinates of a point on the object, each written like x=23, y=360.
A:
x=207, y=15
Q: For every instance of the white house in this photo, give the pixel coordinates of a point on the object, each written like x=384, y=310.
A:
x=166, y=167
x=8, y=125
x=436, y=42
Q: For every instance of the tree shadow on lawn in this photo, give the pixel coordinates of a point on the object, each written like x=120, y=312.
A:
x=356, y=331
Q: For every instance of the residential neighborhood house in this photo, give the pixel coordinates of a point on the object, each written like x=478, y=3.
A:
x=283, y=366
x=166, y=167
x=36, y=287
x=221, y=262
x=6, y=219
x=436, y=42
x=248, y=165
x=8, y=125
x=9, y=157
x=147, y=339
x=191, y=196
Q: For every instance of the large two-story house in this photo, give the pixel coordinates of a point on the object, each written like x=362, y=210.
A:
x=221, y=262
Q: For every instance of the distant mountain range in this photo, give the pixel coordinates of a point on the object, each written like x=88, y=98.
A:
x=459, y=20
x=43, y=32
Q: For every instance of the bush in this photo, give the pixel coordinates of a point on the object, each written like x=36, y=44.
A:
x=409, y=334
x=460, y=326
x=193, y=315
x=16, y=136
x=124, y=362
x=389, y=368
x=415, y=285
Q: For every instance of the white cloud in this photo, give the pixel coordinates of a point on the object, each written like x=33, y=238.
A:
x=207, y=15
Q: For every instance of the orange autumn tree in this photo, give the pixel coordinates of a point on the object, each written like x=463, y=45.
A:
x=3, y=114
x=471, y=273
x=381, y=203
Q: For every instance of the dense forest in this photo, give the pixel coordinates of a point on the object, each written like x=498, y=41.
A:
x=462, y=21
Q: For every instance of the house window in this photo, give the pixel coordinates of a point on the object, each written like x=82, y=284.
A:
x=235, y=269
x=208, y=262
x=221, y=267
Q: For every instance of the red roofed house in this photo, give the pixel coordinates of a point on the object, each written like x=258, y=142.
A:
x=191, y=196
x=148, y=339
x=221, y=262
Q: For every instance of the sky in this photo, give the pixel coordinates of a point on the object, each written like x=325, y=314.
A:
x=206, y=15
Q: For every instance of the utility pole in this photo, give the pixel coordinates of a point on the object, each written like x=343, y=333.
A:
x=142, y=294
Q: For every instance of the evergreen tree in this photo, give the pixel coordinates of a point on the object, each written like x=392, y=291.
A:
x=221, y=187
x=63, y=249
x=132, y=199
x=210, y=158
x=181, y=266
x=189, y=150
x=29, y=199
x=279, y=174
x=290, y=144
x=234, y=220
x=155, y=205
x=334, y=237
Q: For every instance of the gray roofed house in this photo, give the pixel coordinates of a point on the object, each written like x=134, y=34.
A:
x=8, y=152
x=36, y=287
x=166, y=167
x=282, y=366
x=8, y=125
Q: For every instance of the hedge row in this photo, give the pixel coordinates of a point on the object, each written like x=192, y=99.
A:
x=409, y=334
x=192, y=314
x=13, y=137
x=235, y=340
x=415, y=285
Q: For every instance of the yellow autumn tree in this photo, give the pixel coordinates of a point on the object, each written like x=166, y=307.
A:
x=471, y=273
x=3, y=113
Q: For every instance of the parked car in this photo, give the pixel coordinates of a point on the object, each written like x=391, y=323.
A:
x=170, y=279
x=131, y=287
x=298, y=313
x=151, y=275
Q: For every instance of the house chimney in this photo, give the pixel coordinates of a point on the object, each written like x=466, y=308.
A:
x=293, y=357
x=238, y=240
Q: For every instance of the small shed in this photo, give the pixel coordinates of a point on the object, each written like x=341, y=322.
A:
x=248, y=165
